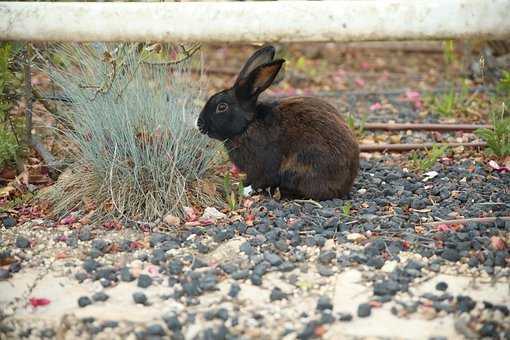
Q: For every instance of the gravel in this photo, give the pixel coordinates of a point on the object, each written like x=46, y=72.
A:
x=84, y=301
x=364, y=310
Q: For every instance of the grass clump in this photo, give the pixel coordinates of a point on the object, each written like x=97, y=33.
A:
x=427, y=160
x=498, y=136
x=135, y=152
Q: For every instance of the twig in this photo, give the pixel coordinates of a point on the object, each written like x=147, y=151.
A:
x=187, y=54
x=317, y=204
x=482, y=220
x=424, y=127
x=410, y=147
x=28, y=93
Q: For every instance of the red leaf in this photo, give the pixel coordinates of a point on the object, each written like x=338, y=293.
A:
x=70, y=219
x=37, y=302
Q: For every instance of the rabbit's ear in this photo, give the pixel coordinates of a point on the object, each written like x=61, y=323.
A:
x=258, y=80
x=262, y=56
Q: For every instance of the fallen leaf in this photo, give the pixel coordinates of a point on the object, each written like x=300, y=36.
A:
x=443, y=227
x=212, y=214
x=172, y=220
x=69, y=219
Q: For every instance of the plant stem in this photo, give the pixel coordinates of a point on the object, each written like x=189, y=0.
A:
x=28, y=94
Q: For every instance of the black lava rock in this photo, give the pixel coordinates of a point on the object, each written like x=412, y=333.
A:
x=125, y=275
x=465, y=303
x=140, y=298
x=345, y=317
x=85, y=234
x=376, y=262
x=234, y=290
x=272, y=258
x=172, y=322
x=324, y=303
x=84, y=301
x=450, y=255
x=277, y=294
x=325, y=257
x=8, y=222
x=489, y=329
x=364, y=310
x=22, y=242
x=155, y=330
x=325, y=271
x=90, y=265
x=110, y=324
x=442, y=286
x=144, y=281
x=175, y=267
x=4, y=274
x=100, y=296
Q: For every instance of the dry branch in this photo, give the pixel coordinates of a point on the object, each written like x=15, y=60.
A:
x=424, y=127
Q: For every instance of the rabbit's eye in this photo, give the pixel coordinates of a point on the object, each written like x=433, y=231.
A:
x=222, y=107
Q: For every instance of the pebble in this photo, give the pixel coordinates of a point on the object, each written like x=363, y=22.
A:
x=4, y=274
x=90, y=265
x=277, y=294
x=155, y=330
x=345, y=317
x=172, y=322
x=84, y=301
x=139, y=298
x=325, y=257
x=8, y=222
x=234, y=290
x=22, y=242
x=364, y=310
x=100, y=296
x=325, y=271
x=442, y=286
x=324, y=303
x=272, y=258
x=450, y=255
x=144, y=281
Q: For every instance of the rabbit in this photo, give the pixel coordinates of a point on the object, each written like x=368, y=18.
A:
x=300, y=145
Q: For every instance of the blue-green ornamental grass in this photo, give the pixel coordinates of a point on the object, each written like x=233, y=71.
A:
x=130, y=124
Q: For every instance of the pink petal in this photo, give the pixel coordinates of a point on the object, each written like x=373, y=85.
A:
x=413, y=95
x=190, y=214
x=37, y=302
x=360, y=82
x=443, y=227
x=375, y=106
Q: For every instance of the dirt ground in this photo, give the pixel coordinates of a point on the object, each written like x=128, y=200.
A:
x=293, y=270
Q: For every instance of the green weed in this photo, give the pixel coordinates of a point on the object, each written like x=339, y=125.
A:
x=498, y=137
x=346, y=208
x=425, y=161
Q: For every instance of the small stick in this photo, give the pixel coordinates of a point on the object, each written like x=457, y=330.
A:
x=410, y=147
x=28, y=94
x=317, y=204
x=482, y=220
x=424, y=127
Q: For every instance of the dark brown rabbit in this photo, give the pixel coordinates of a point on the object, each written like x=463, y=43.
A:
x=299, y=144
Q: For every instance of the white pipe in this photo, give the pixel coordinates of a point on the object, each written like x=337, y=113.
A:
x=255, y=21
